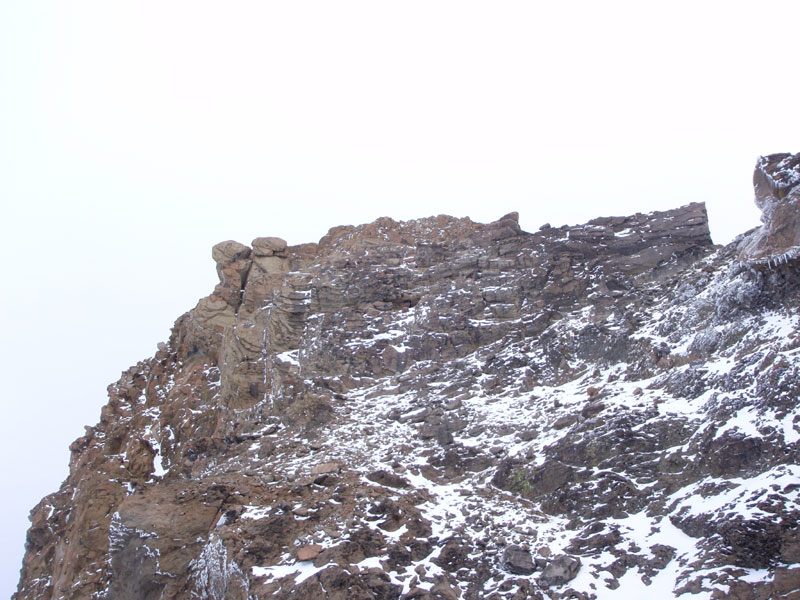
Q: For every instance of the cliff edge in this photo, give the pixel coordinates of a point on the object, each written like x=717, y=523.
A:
x=442, y=409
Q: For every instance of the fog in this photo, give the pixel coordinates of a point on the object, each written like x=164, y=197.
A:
x=134, y=136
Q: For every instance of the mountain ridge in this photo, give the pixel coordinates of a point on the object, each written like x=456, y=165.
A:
x=440, y=408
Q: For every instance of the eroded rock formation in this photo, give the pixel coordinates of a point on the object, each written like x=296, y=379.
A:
x=777, y=186
x=446, y=409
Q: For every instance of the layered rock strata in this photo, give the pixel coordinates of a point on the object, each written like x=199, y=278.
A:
x=446, y=409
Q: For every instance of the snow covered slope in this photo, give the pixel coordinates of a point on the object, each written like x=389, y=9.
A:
x=446, y=409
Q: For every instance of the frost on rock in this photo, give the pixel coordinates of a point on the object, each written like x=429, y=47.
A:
x=216, y=577
x=777, y=195
x=134, y=563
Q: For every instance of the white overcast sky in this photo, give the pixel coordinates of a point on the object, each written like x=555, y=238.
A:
x=135, y=135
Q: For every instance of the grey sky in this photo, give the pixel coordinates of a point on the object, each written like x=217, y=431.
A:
x=133, y=136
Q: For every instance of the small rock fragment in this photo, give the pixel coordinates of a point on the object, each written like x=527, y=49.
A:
x=325, y=468
x=310, y=552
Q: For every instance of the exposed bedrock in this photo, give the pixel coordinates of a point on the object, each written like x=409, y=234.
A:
x=777, y=194
x=440, y=409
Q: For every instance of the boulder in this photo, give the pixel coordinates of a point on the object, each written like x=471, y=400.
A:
x=228, y=252
x=268, y=246
x=592, y=409
x=518, y=560
x=564, y=421
x=388, y=479
x=562, y=569
x=309, y=552
x=325, y=468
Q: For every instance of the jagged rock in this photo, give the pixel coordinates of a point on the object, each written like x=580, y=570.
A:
x=442, y=363
x=777, y=194
x=564, y=421
x=560, y=570
x=592, y=409
x=518, y=560
x=233, y=265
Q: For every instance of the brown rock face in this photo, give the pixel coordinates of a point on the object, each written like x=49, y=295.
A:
x=309, y=552
x=408, y=409
x=777, y=194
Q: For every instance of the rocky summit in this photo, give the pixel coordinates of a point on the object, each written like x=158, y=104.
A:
x=443, y=409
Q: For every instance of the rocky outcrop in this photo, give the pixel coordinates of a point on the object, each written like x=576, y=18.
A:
x=777, y=187
x=447, y=409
